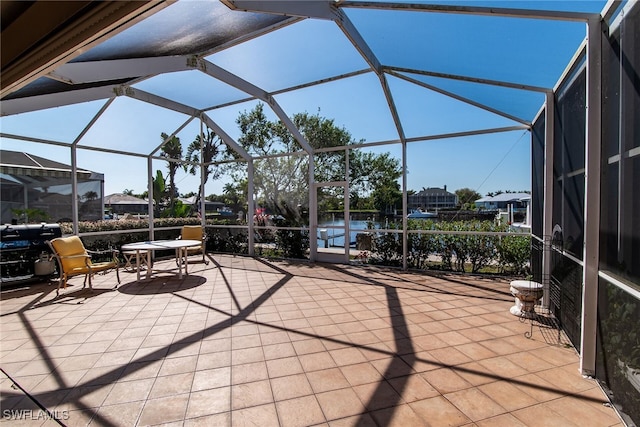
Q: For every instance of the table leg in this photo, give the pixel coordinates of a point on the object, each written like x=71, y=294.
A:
x=137, y=265
x=186, y=262
x=149, y=267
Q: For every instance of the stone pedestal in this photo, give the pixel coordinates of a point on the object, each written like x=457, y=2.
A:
x=527, y=293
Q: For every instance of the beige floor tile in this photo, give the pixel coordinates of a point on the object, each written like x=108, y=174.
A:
x=171, y=385
x=328, y=379
x=190, y=366
x=219, y=420
x=445, y=380
x=290, y=387
x=216, y=360
x=246, y=355
x=542, y=416
x=251, y=394
x=345, y=402
x=378, y=395
x=163, y=410
x=277, y=351
x=129, y=391
x=300, y=412
x=575, y=408
x=361, y=373
x=438, y=411
x=249, y=372
x=413, y=387
x=475, y=404
x=209, y=402
x=504, y=420
x=450, y=356
x=283, y=367
x=178, y=365
x=397, y=416
x=265, y=415
x=316, y=361
x=211, y=378
x=123, y=414
x=393, y=367
x=507, y=395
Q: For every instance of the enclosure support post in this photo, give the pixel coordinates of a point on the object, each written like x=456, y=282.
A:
x=313, y=211
x=150, y=191
x=591, y=198
x=74, y=189
x=250, y=207
x=547, y=215
x=405, y=237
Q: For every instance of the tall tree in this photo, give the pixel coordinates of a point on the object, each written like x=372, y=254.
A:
x=467, y=197
x=205, y=150
x=282, y=178
x=159, y=190
x=172, y=149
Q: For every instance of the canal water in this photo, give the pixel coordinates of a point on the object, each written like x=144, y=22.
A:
x=335, y=236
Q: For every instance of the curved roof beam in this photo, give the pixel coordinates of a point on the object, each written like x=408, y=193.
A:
x=232, y=80
x=474, y=10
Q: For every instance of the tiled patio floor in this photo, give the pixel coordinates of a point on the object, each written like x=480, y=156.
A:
x=245, y=341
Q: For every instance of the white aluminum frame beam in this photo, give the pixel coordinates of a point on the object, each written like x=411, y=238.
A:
x=552, y=15
x=591, y=245
x=547, y=201
x=231, y=79
x=211, y=124
x=356, y=39
x=323, y=9
x=115, y=69
x=160, y=101
x=460, y=98
x=469, y=79
x=42, y=102
x=174, y=133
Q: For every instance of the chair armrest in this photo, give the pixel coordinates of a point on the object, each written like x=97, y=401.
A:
x=73, y=256
x=108, y=251
x=112, y=251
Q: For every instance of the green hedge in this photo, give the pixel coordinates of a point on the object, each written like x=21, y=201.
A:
x=453, y=252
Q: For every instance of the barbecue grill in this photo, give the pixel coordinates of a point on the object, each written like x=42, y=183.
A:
x=20, y=247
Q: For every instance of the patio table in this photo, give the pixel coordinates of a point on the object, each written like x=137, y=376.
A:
x=146, y=248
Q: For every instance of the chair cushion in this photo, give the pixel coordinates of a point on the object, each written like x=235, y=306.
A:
x=191, y=232
x=70, y=247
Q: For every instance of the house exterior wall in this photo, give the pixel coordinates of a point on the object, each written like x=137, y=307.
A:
x=432, y=199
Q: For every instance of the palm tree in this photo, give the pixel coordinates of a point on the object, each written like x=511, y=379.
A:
x=211, y=144
x=172, y=149
x=159, y=190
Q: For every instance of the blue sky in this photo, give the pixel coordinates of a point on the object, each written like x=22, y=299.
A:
x=516, y=50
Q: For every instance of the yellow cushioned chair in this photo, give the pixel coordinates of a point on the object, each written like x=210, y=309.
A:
x=74, y=260
x=195, y=232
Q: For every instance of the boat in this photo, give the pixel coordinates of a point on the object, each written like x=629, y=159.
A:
x=420, y=214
